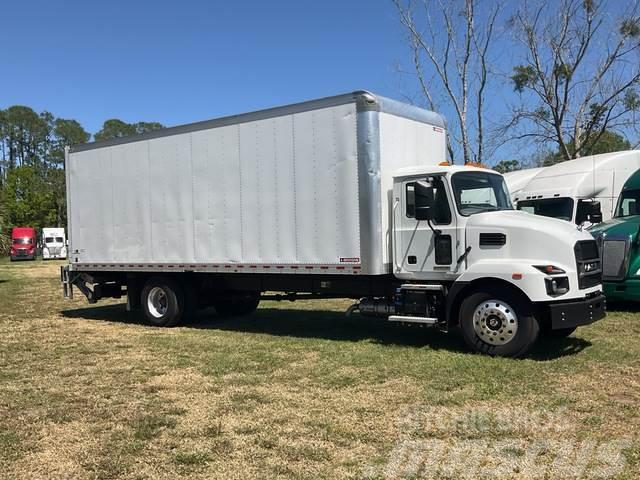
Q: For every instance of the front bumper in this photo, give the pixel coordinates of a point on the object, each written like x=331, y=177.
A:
x=23, y=256
x=577, y=312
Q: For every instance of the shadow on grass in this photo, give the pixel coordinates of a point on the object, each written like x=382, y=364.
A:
x=621, y=306
x=329, y=325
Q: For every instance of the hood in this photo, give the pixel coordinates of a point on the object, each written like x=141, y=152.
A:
x=530, y=238
x=518, y=219
x=617, y=226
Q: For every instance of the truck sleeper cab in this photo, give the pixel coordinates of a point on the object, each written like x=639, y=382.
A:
x=344, y=197
x=54, y=244
x=23, y=244
x=582, y=191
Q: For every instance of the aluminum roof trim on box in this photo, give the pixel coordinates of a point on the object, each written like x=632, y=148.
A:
x=364, y=100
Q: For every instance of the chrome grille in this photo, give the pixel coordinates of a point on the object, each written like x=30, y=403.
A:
x=614, y=259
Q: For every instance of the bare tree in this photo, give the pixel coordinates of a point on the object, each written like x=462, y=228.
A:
x=450, y=53
x=579, y=72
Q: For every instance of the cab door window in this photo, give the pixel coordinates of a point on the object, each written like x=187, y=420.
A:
x=441, y=210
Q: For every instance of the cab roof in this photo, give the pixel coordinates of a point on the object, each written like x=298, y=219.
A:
x=427, y=170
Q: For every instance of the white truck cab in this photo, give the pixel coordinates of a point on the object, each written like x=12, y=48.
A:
x=456, y=227
x=54, y=243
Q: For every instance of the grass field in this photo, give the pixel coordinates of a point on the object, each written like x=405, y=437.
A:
x=299, y=391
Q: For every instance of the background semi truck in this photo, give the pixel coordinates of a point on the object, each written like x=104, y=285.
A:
x=54, y=243
x=342, y=197
x=518, y=179
x=581, y=191
x=23, y=243
x=619, y=240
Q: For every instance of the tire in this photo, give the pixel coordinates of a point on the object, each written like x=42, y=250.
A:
x=237, y=304
x=498, y=323
x=162, y=301
x=559, y=332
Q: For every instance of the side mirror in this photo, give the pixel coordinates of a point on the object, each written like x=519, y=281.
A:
x=424, y=197
x=595, y=213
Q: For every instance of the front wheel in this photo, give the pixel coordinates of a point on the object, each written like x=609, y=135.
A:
x=497, y=323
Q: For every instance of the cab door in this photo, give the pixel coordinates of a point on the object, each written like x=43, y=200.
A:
x=419, y=251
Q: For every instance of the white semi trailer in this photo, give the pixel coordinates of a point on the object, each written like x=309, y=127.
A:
x=343, y=197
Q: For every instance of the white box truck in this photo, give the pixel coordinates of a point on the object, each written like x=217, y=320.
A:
x=54, y=243
x=343, y=197
x=582, y=191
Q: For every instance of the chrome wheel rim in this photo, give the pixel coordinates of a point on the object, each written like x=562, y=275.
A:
x=157, y=302
x=495, y=322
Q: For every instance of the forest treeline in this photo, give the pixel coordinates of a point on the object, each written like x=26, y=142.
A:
x=32, y=180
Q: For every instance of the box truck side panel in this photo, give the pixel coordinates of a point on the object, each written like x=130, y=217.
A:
x=280, y=190
x=405, y=142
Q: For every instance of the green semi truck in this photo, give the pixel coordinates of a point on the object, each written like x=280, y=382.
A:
x=619, y=240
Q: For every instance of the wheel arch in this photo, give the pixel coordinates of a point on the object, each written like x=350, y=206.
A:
x=460, y=290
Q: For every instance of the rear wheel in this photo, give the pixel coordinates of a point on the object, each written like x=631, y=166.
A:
x=498, y=323
x=237, y=304
x=162, y=301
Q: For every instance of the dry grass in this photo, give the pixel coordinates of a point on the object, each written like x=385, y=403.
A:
x=298, y=391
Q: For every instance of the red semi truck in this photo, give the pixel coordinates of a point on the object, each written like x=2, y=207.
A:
x=23, y=243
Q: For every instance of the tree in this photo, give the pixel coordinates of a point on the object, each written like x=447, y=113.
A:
x=506, y=166
x=115, y=128
x=26, y=199
x=608, y=142
x=144, y=127
x=579, y=75
x=450, y=43
x=66, y=133
x=24, y=135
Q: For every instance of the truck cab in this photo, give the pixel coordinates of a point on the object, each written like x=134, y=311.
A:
x=23, y=243
x=54, y=243
x=506, y=273
x=619, y=240
x=583, y=191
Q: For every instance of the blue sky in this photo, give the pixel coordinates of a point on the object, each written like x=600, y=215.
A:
x=181, y=61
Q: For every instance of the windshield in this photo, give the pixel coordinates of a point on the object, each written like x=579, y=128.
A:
x=477, y=192
x=628, y=204
x=53, y=240
x=561, y=207
x=22, y=241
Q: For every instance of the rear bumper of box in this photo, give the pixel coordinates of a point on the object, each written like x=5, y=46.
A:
x=577, y=312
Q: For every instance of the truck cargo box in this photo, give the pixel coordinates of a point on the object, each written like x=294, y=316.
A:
x=304, y=188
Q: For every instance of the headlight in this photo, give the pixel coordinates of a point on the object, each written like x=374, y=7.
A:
x=557, y=286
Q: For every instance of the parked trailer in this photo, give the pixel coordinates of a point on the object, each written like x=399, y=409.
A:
x=343, y=197
x=583, y=191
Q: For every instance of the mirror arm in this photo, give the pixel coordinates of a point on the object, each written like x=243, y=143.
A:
x=435, y=231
